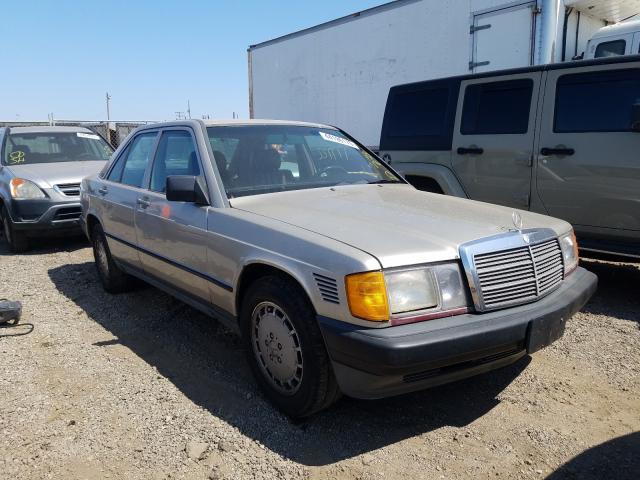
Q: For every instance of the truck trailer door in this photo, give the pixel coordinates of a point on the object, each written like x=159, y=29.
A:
x=502, y=38
x=493, y=137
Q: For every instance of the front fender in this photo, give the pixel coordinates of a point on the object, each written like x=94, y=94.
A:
x=441, y=174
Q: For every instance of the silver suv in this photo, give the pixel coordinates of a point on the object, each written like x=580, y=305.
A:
x=339, y=275
x=559, y=139
x=40, y=173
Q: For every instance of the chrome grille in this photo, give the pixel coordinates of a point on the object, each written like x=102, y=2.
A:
x=328, y=288
x=518, y=275
x=69, y=189
x=512, y=268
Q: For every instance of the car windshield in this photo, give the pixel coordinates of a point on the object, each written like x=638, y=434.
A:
x=272, y=158
x=51, y=147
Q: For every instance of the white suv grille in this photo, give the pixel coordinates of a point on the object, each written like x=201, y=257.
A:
x=69, y=189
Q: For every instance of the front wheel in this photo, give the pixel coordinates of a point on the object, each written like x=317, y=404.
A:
x=285, y=348
x=18, y=241
x=112, y=277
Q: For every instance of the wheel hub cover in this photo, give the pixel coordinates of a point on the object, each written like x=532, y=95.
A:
x=277, y=347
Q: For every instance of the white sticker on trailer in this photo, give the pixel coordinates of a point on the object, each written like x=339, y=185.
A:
x=340, y=140
x=92, y=136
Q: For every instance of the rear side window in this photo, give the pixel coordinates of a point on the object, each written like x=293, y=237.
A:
x=176, y=155
x=596, y=101
x=420, y=116
x=497, y=108
x=130, y=167
x=611, y=49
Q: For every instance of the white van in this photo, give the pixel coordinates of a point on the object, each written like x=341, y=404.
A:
x=619, y=39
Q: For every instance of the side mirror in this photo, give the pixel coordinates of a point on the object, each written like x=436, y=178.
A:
x=186, y=188
x=635, y=117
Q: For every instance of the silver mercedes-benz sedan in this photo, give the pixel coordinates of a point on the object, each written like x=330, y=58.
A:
x=340, y=276
x=40, y=173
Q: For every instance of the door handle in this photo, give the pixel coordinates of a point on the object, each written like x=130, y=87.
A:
x=143, y=202
x=556, y=151
x=470, y=151
x=103, y=190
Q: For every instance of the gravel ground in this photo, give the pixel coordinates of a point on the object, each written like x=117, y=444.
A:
x=140, y=386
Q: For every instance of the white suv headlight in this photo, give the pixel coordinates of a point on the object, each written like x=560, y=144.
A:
x=569, y=247
x=26, y=189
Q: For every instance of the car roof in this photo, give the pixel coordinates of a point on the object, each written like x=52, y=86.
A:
x=47, y=129
x=232, y=123
x=621, y=59
x=628, y=26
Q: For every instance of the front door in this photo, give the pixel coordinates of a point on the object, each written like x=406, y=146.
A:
x=589, y=159
x=116, y=195
x=493, y=137
x=172, y=235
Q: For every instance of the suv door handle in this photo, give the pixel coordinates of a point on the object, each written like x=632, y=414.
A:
x=103, y=190
x=143, y=202
x=470, y=151
x=556, y=151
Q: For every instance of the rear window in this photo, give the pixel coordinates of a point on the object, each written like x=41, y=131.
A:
x=611, y=49
x=420, y=116
x=497, y=108
x=52, y=147
x=596, y=101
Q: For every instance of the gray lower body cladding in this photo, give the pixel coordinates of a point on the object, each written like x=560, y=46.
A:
x=376, y=363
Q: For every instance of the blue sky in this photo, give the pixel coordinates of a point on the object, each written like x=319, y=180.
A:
x=61, y=56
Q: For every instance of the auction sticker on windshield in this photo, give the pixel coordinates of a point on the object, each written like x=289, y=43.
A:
x=341, y=141
x=88, y=135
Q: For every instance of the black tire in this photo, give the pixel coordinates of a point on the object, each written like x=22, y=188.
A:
x=317, y=387
x=17, y=241
x=112, y=277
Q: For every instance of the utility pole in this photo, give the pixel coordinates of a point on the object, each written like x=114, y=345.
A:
x=188, y=110
x=108, y=97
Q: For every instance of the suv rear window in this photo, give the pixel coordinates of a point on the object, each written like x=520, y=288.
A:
x=497, y=108
x=420, y=116
x=596, y=101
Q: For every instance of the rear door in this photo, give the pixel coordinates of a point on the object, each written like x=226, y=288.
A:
x=589, y=159
x=502, y=37
x=494, y=135
x=116, y=196
x=172, y=235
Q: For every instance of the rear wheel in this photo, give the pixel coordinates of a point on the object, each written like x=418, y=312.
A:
x=18, y=241
x=285, y=347
x=112, y=277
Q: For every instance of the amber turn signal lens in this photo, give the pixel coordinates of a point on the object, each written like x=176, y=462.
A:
x=367, y=296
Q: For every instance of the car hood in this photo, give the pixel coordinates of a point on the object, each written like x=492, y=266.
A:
x=397, y=224
x=46, y=175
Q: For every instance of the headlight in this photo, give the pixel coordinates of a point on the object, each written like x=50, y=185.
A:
x=411, y=290
x=569, y=246
x=407, y=295
x=21, y=188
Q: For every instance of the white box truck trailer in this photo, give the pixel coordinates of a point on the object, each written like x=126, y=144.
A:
x=340, y=72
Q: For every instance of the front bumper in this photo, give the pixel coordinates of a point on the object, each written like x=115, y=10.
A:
x=39, y=216
x=376, y=363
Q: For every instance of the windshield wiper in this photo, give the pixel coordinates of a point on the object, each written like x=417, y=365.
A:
x=378, y=182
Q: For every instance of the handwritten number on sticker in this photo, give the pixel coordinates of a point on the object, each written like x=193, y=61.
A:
x=16, y=157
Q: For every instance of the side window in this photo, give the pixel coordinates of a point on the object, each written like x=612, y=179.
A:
x=611, y=49
x=116, y=172
x=176, y=155
x=497, y=108
x=420, y=116
x=596, y=101
x=134, y=163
